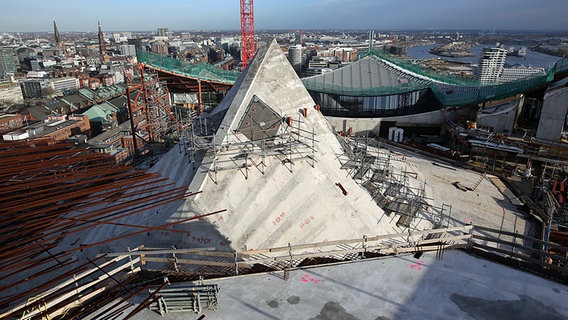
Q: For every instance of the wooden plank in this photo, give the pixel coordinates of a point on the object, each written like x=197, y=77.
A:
x=424, y=249
x=464, y=228
x=50, y=302
x=195, y=262
x=76, y=303
x=159, y=251
x=414, y=246
x=71, y=280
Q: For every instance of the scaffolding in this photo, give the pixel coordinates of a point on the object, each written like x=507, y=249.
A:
x=149, y=107
x=370, y=165
x=252, y=143
x=184, y=298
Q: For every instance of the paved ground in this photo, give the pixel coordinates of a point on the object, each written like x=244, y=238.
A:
x=458, y=287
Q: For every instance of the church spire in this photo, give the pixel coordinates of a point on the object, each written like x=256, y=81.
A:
x=58, y=42
x=56, y=33
x=102, y=44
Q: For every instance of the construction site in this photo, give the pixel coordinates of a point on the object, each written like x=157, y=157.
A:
x=263, y=210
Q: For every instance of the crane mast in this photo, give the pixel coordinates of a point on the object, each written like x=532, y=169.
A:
x=248, y=47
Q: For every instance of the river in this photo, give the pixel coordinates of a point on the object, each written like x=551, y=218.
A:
x=533, y=58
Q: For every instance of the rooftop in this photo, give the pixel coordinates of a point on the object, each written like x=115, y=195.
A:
x=267, y=175
x=459, y=286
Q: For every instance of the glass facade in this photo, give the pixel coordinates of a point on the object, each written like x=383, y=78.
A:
x=378, y=106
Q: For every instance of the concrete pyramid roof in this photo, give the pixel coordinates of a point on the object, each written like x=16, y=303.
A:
x=272, y=161
x=293, y=197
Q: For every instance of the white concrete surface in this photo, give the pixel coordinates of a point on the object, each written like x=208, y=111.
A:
x=298, y=205
x=361, y=126
x=551, y=125
x=500, y=118
x=457, y=287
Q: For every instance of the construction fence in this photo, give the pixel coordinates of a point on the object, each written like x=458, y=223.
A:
x=202, y=70
x=449, y=90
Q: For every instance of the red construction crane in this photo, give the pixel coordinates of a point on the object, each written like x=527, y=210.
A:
x=247, y=32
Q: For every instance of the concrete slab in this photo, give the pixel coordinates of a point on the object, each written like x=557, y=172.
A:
x=458, y=287
x=486, y=206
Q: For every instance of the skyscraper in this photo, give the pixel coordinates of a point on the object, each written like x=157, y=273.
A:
x=491, y=64
x=7, y=62
x=295, y=57
x=163, y=32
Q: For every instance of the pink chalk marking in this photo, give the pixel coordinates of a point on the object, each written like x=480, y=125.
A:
x=307, y=278
x=278, y=218
x=418, y=265
x=306, y=222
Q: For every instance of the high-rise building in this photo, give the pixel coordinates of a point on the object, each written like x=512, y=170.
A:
x=128, y=50
x=295, y=57
x=163, y=32
x=36, y=88
x=7, y=62
x=160, y=48
x=491, y=64
x=298, y=38
x=137, y=43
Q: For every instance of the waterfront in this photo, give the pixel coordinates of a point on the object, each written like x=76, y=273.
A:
x=532, y=58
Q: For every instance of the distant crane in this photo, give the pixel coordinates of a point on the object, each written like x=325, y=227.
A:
x=248, y=47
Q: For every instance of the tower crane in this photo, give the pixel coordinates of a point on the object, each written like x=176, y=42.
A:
x=248, y=46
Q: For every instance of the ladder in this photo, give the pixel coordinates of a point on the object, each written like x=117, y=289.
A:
x=479, y=181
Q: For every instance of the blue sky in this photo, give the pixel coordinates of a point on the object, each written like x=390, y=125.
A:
x=144, y=15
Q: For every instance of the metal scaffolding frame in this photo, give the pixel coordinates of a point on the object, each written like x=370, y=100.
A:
x=149, y=108
x=368, y=163
x=237, y=152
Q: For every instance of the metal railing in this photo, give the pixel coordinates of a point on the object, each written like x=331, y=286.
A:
x=517, y=250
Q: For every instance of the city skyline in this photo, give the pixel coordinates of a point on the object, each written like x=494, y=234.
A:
x=144, y=15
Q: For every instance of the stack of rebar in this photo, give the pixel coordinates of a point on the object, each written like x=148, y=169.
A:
x=54, y=193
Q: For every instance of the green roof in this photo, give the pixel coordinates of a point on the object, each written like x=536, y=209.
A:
x=101, y=112
x=449, y=90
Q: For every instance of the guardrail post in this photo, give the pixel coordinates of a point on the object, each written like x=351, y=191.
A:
x=236, y=265
x=175, y=260
x=130, y=259
x=470, y=241
x=364, y=247
x=290, y=253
